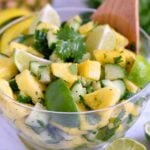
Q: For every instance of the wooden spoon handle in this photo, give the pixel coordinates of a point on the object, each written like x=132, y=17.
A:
x=121, y=15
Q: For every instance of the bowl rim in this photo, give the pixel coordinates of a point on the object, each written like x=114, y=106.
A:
x=32, y=108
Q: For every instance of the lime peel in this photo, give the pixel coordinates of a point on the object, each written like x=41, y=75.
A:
x=125, y=144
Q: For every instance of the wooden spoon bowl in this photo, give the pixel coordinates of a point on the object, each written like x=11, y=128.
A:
x=123, y=16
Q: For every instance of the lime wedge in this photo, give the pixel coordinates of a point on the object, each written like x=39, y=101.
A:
x=125, y=144
x=140, y=72
x=48, y=15
x=22, y=60
x=147, y=130
x=101, y=38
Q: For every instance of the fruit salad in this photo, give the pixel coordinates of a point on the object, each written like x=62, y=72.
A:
x=69, y=67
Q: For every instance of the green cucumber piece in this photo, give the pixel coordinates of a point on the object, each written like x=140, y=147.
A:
x=37, y=120
x=77, y=90
x=114, y=71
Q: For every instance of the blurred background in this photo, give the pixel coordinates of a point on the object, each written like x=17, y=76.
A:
x=144, y=7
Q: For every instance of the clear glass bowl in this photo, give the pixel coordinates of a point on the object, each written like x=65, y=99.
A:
x=82, y=130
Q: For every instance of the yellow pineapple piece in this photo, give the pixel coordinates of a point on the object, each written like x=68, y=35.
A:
x=131, y=87
x=86, y=28
x=121, y=41
x=5, y=88
x=65, y=71
x=28, y=84
x=109, y=56
x=102, y=98
x=7, y=68
x=90, y=69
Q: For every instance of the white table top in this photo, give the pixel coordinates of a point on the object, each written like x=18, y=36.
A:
x=10, y=141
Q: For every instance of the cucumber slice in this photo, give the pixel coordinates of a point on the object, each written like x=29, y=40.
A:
x=77, y=90
x=34, y=67
x=13, y=85
x=44, y=74
x=40, y=71
x=38, y=121
x=114, y=71
x=119, y=84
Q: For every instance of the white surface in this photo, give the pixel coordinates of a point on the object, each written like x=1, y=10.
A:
x=10, y=141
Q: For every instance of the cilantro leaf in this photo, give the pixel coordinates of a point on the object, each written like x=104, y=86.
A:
x=70, y=45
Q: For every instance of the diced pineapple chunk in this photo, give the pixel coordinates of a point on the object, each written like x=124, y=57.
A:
x=132, y=108
x=65, y=71
x=28, y=84
x=86, y=28
x=90, y=69
x=14, y=111
x=7, y=68
x=105, y=56
x=48, y=26
x=130, y=58
x=131, y=87
x=14, y=45
x=102, y=98
x=5, y=88
x=121, y=41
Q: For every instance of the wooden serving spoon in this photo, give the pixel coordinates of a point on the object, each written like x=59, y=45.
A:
x=123, y=16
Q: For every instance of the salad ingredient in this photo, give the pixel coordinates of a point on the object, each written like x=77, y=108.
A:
x=70, y=45
x=131, y=87
x=77, y=90
x=7, y=68
x=86, y=28
x=125, y=144
x=5, y=88
x=30, y=86
x=65, y=71
x=74, y=22
x=102, y=98
x=121, y=41
x=41, y=42
x=47, y=15
x=13, y=85
x=147, y=130
x=114, y=71
x=90, y=69
x=42, y=72
x=11, y=14
x=13, y=32
x=22, y=60
x=119, y=84
x=63, y=100
x=113, y=56
x=19, y=46
x=139, y=73
x=102, y=38
x=38, y=121
x=22, y=98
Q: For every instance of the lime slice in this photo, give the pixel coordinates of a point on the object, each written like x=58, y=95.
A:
x=147, y=130
x=22, y=60
x=101, y=38
x=47, y=15
x=125, y=144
